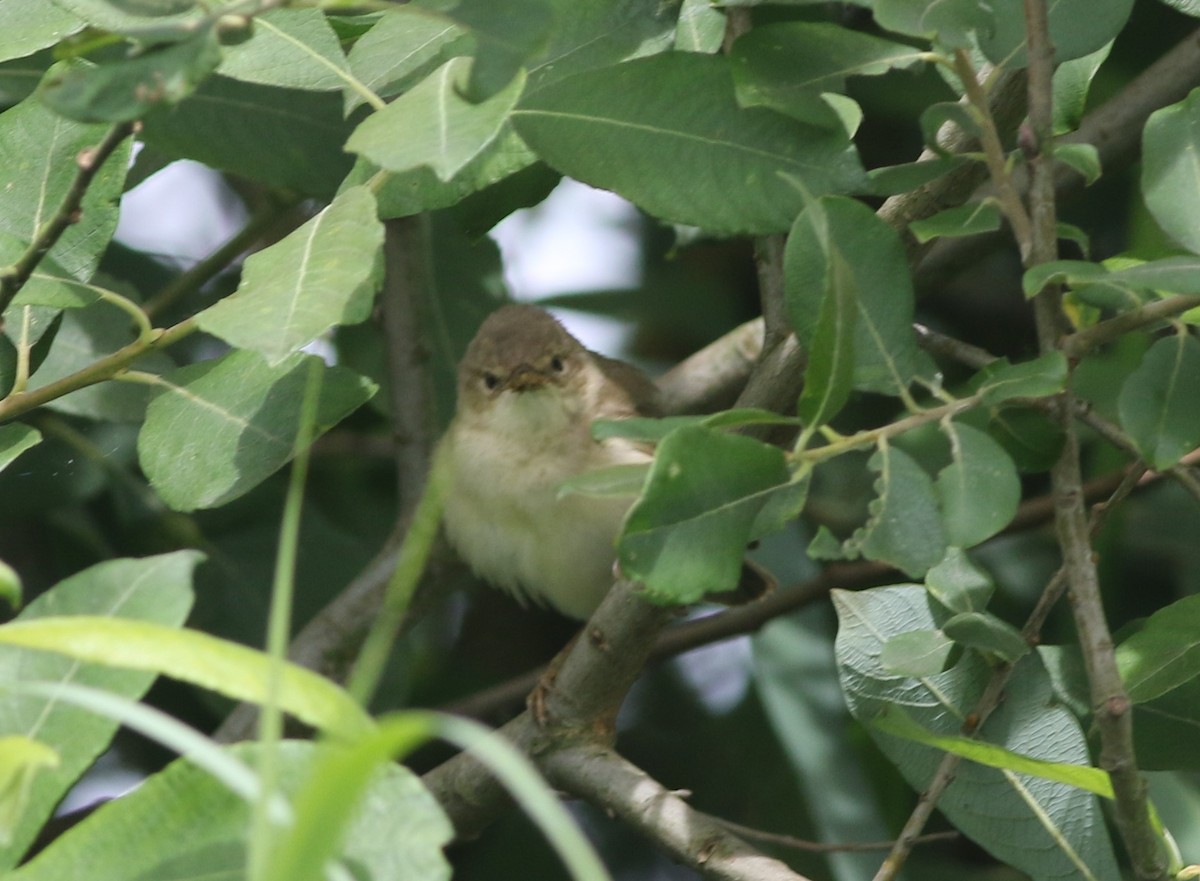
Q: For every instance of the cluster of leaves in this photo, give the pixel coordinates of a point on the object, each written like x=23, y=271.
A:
x=477, y=110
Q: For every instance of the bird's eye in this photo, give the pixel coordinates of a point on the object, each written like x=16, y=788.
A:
x=556, y=364
x=491, y=380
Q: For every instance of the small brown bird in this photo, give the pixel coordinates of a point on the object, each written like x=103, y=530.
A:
x=528, y=393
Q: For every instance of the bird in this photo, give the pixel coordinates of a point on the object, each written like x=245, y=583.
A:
x=528, y=395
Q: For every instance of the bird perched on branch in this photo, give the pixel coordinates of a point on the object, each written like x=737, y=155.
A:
x=528, y=393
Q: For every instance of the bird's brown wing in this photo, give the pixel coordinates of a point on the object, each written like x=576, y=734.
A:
x=644, y=397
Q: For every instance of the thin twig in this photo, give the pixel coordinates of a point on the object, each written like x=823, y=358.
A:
x=1082, y=342
x=89, y=162
x=821, y=847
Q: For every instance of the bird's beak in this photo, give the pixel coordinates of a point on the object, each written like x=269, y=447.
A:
x=525, y=378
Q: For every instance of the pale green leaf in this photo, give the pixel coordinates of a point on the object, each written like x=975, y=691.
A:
x=1044, y=828
x=916, y=653
x=979, y=490
x=15, y=439
x=219, y=428
x=1159, y=404
x=161, y=22
x=647, y=429
x=323, y=274
x=155, y=589
x=10, y=585
x=21, y=759
x=395, y=831
x=227, y=668
x=958, y=584
x=1077, y=28
x=434, y=125
x=890, y=180
x=292, y=48
x=1171, y=169
x=904, y=528
x=685, y=151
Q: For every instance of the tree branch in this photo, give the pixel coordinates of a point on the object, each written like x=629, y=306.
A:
x=13, y=278
x=613, y=784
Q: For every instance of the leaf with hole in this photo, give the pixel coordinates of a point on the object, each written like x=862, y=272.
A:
x=979, y=490
x=687, y=534
x=904, y=528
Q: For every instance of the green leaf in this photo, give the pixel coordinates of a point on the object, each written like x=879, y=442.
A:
x=615, y=480
x=10, y=586
x=684, y=150
x=897, y=722
x=833, y=229
x=904, y=528
x=829, y=378
x=916, y=653
x=182, y=823
x=1038, y=378
x=952, y=22
x=1165, y=729
x=84, y=336
x=685, y=537
x=420, y=189
x=337, y=780
x=38, y=152
x=985, y=632
x=788, y=66
x=1159, y=405
x=21, y=758
x=1029, y=436
x=646, y=429
x=15, y=439
x=958, y=584
x=1049, y=829
x=506, y=36
x=936, y=115
x=971, y=219
x=287, y=138
x=1072, y=81
x=433, y=125
x=291, y=48
x=221, y=427
x=1077, y=28
x=321, y=275
x=701, y=27
x=30, y=25
x=407, y=42
x=156, y=589
x=891, y=180
x=1082, y=157
x=1171, y=169
x=1165, y=653
x=227, y=668
x=148, y=22
x=979, y=490
x=127, y=89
